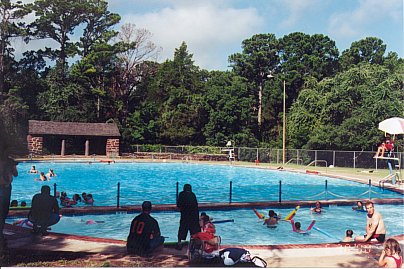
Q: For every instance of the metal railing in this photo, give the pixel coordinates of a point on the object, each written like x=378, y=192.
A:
x=283, y=192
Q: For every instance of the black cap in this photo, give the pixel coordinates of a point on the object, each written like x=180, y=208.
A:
x=146, y=206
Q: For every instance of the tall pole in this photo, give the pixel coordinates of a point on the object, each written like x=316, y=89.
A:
x=284, y=124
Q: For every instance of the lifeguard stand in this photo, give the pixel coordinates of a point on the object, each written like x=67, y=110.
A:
x=393, y=126
x=230, y=150
x=394, y=166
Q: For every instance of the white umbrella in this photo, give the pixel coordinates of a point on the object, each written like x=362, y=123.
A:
x=392, y=126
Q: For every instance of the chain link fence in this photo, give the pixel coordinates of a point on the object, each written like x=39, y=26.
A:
x=335, y=158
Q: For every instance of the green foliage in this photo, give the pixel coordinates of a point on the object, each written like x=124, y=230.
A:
x=344, y=112
x=65, y=101
x=370, y=50
x=11, y=27
x=13, y=118
x=228, y=103
x=177, y=88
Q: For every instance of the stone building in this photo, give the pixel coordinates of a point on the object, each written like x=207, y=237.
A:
x=67, y=138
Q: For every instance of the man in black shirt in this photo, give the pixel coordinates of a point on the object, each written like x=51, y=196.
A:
x=144, y=235
x=44, y=211
x=188, y=205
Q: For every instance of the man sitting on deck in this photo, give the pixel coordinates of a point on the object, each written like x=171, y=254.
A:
x=375, y=228
x=144, y=235
x=44, y=211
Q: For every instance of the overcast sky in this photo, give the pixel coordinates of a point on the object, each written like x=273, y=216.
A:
x=214, y=29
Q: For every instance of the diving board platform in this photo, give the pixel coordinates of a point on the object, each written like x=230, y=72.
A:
x=386, y=158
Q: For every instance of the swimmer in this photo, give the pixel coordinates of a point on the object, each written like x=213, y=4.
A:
x=33, y=170
x=296, y=227
x=348, y=236
x=89, y=199
x=273, y=219
x=64, y=200
x=75, y=200
x=14, y=203
x=317, y=209
x=51, y=173
x=42, y=177
x=359, y=206
x=84, y=196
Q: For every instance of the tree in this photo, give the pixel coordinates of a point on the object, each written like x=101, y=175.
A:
x=10, y=14
x=258, y=59
x=177, y=90
x=306, y=56
x=228, y=105
x=98, y=30
x=14, y=115
x=133, y=65
x=97, y=67
x=370, y=50
x=64, y=100
x=344, y=112
x=57, y=20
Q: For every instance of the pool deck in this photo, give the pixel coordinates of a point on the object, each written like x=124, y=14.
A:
x=357, y=255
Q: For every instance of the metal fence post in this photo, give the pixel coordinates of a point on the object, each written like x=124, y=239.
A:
x=376, y=163
x=280, y=191
x=370, y=188
x=354, y=159
x=231, y=192
x=118, y=195
x=326, y=189
x=333, y=158
x=277, y=156
x=315, y=158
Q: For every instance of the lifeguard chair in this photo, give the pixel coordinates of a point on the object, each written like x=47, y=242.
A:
x=392, y=126
x=230, y=151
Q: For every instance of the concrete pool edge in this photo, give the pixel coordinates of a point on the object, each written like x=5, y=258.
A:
x=23, y=230
x=86, y=210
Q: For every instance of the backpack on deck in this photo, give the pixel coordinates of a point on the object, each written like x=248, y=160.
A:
x=240, y=257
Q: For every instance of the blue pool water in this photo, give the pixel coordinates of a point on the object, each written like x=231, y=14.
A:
x=246, y=228
x=157, y=182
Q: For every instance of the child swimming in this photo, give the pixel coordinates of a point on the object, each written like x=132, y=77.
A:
x=348, y=236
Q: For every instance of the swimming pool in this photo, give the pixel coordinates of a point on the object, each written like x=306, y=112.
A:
x=246, y=229
x=211, y=183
